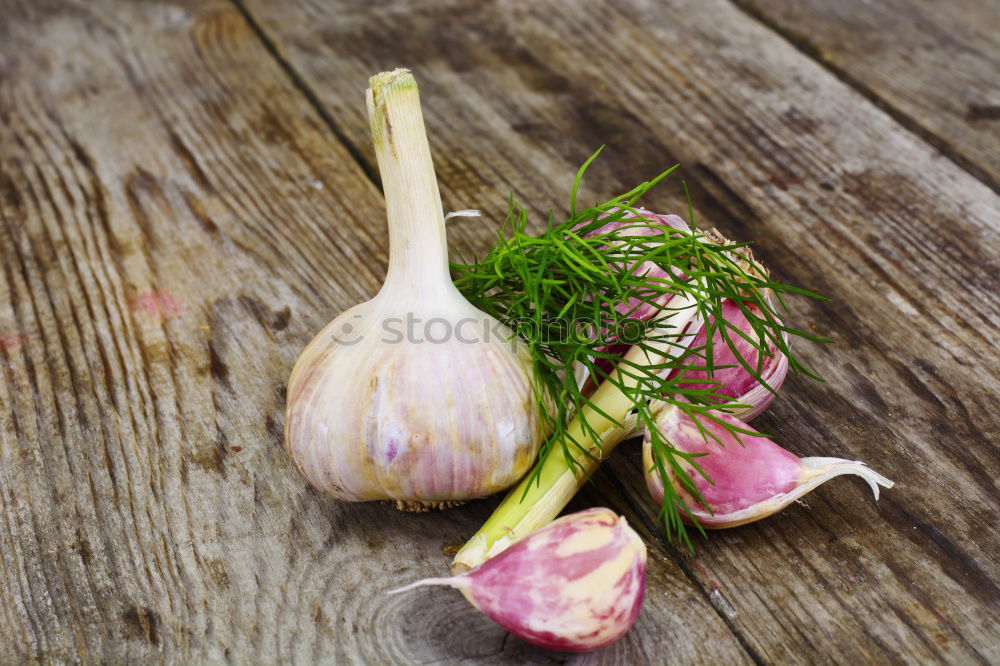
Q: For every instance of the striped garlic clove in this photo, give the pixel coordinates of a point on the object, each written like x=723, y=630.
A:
x=732, y=379
x=575, y=585
x=750, y=479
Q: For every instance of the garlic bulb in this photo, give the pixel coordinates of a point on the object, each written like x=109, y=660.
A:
x=731, y=379
x=575, y=585
x=415, y=395
x=748, y=479
x=650, y=224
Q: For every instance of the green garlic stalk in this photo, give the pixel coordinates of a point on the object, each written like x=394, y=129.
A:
x=542, y=494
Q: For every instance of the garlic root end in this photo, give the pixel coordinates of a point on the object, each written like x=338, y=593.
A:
x=456, y=582
x=416, y=506
x=827, y=468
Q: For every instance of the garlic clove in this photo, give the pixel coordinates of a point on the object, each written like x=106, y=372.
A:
x=735, y=381
x=575, y=585
x=750, y=479
x=649, y=224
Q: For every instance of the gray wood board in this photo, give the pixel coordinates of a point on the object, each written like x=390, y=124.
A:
x=935, y=66
x=183, y=204
x=838, y=197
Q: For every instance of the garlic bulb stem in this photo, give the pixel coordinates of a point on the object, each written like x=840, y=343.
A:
x=537, y=500
x=412, y=198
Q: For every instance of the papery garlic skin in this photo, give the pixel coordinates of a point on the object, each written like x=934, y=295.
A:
x=575, y=585
x=751, y=479
x=415, y=395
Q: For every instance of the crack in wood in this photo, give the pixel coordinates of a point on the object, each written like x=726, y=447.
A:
x=941, y=143
x=309, y=94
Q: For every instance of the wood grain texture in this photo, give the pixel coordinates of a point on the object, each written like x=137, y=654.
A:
x=933, y=64
x=176, y=221
x=838, y=196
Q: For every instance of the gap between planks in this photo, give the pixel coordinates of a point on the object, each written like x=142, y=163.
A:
x=308, y=93
x=905, y=120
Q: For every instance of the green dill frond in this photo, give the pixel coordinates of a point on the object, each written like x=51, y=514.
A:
x=562, y=291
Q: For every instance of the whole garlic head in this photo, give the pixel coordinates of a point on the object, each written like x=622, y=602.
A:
x=415, y=395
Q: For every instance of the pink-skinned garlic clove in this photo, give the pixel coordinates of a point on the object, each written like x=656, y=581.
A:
x=732, y=379
x=575, y=585
x=748, y=479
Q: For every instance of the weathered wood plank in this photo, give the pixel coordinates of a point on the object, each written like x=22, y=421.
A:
x=176, y=221
x=838, y=196
x=933, y=64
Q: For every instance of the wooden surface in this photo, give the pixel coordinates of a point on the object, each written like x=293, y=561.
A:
x=931, y=65
x=186, y=196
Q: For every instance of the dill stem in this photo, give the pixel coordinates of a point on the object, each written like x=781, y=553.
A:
x=539, y=497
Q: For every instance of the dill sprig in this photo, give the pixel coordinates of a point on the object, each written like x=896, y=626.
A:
x=566, y=294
